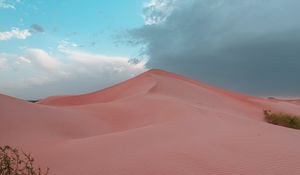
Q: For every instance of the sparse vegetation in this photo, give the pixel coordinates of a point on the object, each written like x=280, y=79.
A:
x=282, y=119
x=14, y=163
x=33, y=101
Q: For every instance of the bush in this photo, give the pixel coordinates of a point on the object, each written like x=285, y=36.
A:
x=33, y=101
x=14, y=163
x=281, y=119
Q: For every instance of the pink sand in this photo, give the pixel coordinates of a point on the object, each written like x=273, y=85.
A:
x=157, y=123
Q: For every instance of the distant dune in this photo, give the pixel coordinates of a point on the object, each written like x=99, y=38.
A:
x=295, y=101
x=157, y=123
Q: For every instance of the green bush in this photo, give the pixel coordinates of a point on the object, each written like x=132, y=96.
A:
x=282, y=119
x=14, y=163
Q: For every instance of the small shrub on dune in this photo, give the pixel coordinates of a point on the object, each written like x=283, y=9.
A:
x=33, y=101
x=12, y=162
x=282, y=119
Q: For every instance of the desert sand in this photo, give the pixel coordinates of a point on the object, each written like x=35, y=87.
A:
x=157, y=123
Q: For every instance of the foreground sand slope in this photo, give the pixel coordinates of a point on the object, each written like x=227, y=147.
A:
x=155, y=123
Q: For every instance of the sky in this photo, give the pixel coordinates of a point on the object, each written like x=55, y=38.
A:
x=66, y=47
x=70, y=47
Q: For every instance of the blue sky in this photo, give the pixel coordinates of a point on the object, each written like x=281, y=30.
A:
x=92, y=25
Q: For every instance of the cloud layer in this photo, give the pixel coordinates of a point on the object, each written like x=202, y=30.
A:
x=72, y=72
x=249, y=46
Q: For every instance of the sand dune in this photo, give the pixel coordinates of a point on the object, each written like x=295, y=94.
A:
x=294, y=101
x=156, y=123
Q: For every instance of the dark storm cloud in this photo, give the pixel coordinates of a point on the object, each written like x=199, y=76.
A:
x=36, y=28
x=251, y=46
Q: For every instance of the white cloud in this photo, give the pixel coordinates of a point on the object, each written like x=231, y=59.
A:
x=22, y=59
x=157, y=11
x=99, y=65
x=15, y=33
x=9, y=4
x=42, y=60
x=2, y=63
x=69, y=72
x=65, y=44
x=6, y=5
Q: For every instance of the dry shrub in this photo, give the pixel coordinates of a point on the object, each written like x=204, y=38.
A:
x=14, y=162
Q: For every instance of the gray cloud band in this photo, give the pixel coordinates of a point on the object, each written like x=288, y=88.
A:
x=248, y=46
